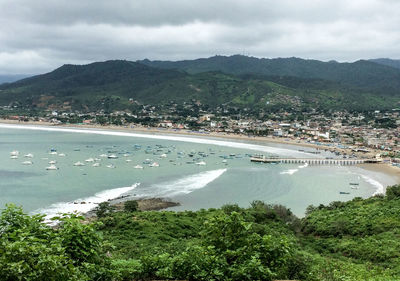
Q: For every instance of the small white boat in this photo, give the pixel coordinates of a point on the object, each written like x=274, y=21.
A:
x=112, y=156
x=127, y=155
x=14, y=153
x=27, y=163
x=163, y=155
x=103, y=155
x=154, y=164
x=79, y=164
x=61, y=154
x=52, y=167
x=14, y=157
x=224, y=161
x=138, y=167
x=111, y=166
x=96, y=165
x=53, y=153
x=89, y=160
x=29, y=155
x=97, y=159
x=128, y=160
x=52, y=162
x=201, y=163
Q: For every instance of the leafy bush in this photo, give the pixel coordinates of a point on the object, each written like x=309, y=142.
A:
x=32, y=250
x=393, y=192
x=103, y=209
x=131, y=206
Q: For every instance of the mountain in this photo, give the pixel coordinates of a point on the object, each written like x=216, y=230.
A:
x=119, y=85
x=361, y=74
x=387, y=62
x=9, y=78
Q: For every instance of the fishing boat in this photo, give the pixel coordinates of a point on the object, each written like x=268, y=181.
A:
x=29, y=155
x=344, y=192
x=52, y=167
x=14, y=157
x=201, y=163
x=52, y=162
x=14, y=153
x=147, y=161
x=112, y=156
x=89, y=160
x=154, y=164
x=53, y=153
x=27, y=163
x=354, y=183
x=111, y=166
x=61, y=154
x=79, y=164
x=138, y=167
x=128, y=160
x=103, y=155
x=96, y=165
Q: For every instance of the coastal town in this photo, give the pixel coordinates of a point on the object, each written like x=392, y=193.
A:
x=367, y=132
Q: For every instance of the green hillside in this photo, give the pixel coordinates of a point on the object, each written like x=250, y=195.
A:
x=120, y=85
x=387, y=62
x=362, y=74
x=357, y=240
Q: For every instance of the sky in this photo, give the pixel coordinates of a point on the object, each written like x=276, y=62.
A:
x=37, y=36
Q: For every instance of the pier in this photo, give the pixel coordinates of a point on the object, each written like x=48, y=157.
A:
x=314, y=161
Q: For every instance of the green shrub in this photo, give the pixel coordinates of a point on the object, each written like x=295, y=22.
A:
x=131, y=206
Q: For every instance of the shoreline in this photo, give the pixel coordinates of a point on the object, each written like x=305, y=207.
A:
x=185, y=132
x=384, y=168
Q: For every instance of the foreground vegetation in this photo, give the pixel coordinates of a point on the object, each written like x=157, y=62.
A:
x=355, y=240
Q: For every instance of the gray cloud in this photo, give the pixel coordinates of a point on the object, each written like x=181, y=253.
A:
x=37, y=36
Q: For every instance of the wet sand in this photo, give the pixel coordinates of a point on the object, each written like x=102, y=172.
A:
x=382, y=168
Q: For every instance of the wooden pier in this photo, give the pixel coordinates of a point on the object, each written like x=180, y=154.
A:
x=315, y=161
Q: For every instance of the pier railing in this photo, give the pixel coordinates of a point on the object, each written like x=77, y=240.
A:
x=314, y=161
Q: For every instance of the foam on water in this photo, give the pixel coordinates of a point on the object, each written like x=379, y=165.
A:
x=379, y=187
x=90, y=202
x=260, y=148
x=303, y=166
x=187, y=184
x=289, y=172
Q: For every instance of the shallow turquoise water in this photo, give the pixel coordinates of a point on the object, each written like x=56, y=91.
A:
x=194, y=186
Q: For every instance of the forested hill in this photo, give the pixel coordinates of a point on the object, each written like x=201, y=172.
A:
x=120, y=85
x=362, y=73
x=388, y=62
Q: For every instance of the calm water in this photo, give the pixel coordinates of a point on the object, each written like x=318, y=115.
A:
x=177, y=177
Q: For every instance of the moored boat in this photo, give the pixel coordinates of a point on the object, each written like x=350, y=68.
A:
x=52, y=167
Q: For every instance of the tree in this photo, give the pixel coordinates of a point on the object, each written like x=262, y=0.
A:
x=393, y=192
x=131, y=206
x=32, y=250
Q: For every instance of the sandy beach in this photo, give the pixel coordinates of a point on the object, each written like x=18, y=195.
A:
x=381, y=168
x=153, y=130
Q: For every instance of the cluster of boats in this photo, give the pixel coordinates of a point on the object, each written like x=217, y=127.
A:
x=160, y=151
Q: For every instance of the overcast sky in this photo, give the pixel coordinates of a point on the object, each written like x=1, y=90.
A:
x=37, y=36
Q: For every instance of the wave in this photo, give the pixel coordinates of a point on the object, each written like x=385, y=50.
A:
x=303, y=166
x=83, y=205
x=185, y=185
x=380, y=189
x=289, y=172
x=262, y=148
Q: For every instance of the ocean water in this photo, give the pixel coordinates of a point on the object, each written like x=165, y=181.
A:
x=223, y=173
